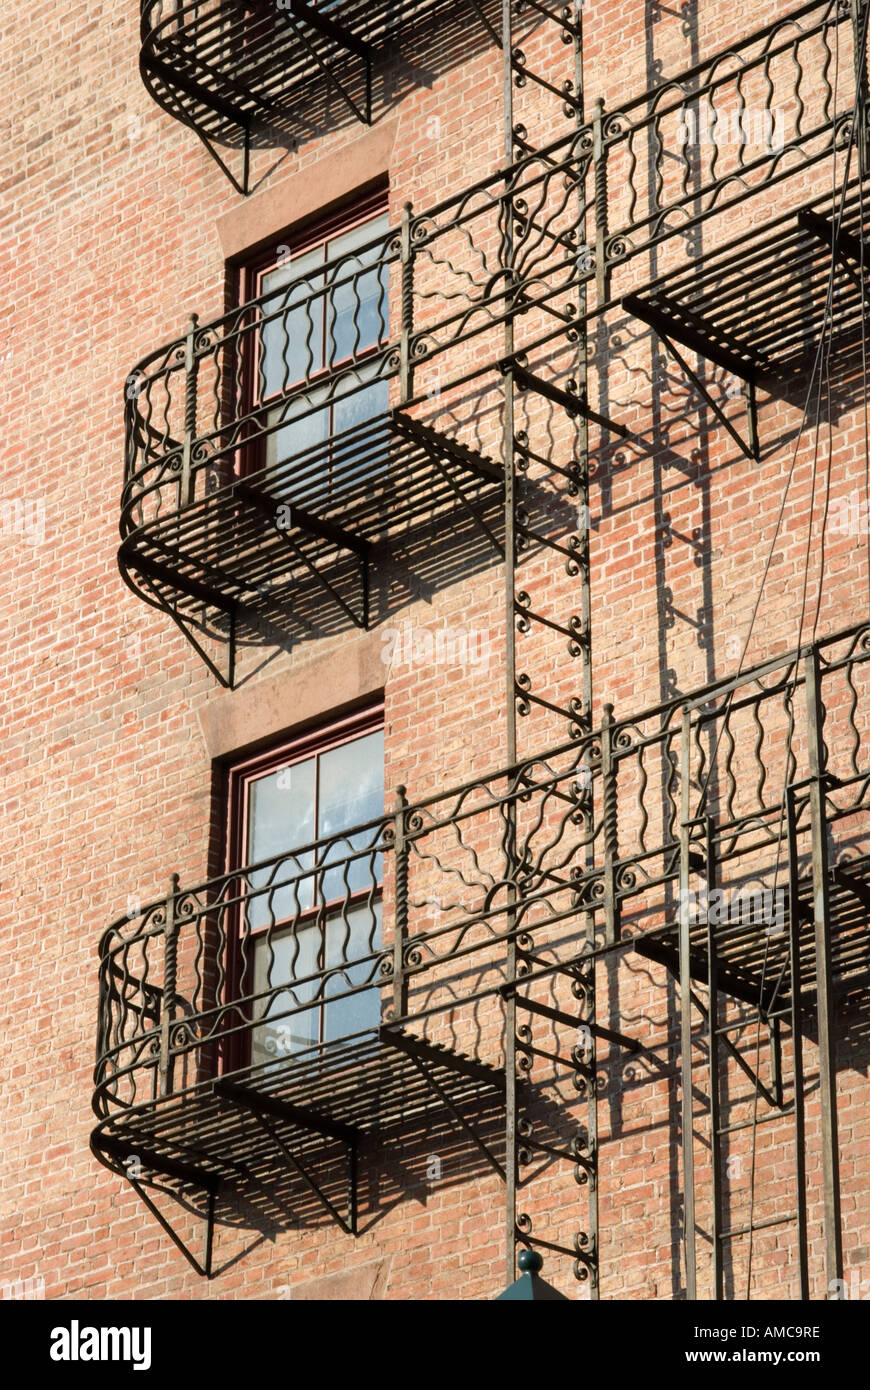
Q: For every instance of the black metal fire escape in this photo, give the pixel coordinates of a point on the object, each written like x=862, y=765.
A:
x=560, y=850
x=271, y=75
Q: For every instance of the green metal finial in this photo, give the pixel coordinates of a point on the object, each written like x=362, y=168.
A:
x=530, y=1261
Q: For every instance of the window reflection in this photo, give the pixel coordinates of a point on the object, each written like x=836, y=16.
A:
x=325, y=311
x=328, y=915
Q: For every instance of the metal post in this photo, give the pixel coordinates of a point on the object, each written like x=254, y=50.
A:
x=611, y=844
x=599, y=164
x=749, y=397
x=406, y=370
x=686, y=1010
x=584, y=643
x=717, y=1219
x=775, y=1059
x=859, y=45
x=794, y=950
x=190, y=384
x=400, y=932
x=822, y=938
x=170, y=970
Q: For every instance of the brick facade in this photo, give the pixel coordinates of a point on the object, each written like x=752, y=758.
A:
x=115, y=227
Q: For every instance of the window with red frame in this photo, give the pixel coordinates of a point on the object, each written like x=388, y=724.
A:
x=322, y=313
x=305, y=912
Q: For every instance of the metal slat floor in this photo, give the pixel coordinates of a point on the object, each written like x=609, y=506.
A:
x=211, y=1133
x=754, y=962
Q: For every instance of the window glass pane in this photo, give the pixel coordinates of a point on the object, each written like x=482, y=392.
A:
x=280, y=819
x=356, y=237
x=354, y=934
x=352, y=783
x=306, y=428
x=351, y=792
x=288, y=956
x=359, y=312
x=356, y=460
x=361, y=406
x=292, y=336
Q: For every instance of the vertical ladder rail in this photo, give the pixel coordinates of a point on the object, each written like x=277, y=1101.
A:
x=822, y=952
x=794, y=950
x=686, y=1009
x=510, y=541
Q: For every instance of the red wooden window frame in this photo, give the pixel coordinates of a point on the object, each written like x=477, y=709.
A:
x=295, y=750
x=316, y=231
x=240, y=774
x=249, y=277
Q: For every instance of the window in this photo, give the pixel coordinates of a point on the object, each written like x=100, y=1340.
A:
x=321, y=314
x=310, y=911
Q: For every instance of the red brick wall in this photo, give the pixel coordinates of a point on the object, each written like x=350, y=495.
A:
x=109, y=240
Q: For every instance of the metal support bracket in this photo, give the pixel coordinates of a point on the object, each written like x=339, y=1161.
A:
x=264, y=1108
x=458, y=1116
x=167, y=1167
x=150, y=573
x=206, y=1269
x=730, y=982
x=361, y=619
x=438, y=448
x=596, y=1029
x=343, y=38
x=671, y=322
x=851, y=251
x=572, y=403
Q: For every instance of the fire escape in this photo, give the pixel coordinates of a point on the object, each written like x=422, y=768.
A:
x=496, y=913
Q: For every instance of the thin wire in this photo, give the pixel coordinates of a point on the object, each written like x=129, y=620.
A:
x=863, y=517
x=821, y=357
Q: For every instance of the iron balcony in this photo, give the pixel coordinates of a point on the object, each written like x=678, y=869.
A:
x=647, y=210
x=249, y=74
x=261, y=1028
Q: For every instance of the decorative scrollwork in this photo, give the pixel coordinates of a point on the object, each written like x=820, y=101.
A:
x=615, y=125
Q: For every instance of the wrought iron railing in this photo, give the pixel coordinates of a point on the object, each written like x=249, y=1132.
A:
x=411, y=917
x=759, y=112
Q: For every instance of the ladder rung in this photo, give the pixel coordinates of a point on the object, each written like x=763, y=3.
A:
x=759, y=1120
x=758, y=1226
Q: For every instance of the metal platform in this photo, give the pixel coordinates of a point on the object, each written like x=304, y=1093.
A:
x=754, y=958
x=292, y=1130
x=254, y=73
x=758, y=307
x=258, y=543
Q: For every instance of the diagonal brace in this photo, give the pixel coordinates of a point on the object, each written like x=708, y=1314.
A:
x=329, y=29
x=750, y=448
x=848, y=249
x=570, y=402
x=206, y=1269
x=348, y=1225
x=596, y=1029
x=457, y=1114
